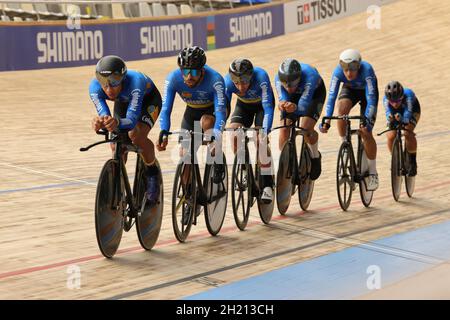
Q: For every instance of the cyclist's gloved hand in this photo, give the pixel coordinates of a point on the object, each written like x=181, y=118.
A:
x=162, y=140
x=368, y=124
x=390, y=125
x=324, y=127
x=398, y=117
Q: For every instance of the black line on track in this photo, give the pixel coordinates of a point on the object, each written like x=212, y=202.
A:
x=270, y=256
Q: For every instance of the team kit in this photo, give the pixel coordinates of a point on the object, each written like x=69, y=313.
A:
x=301, y=92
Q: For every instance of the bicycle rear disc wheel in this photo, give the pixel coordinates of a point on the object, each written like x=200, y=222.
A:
x=396, y=174
x=284, y=180
x=241, y=195
x=109, y=209
x=183, y=202
x=366, y=196
x=149, y=218
x=306, y=187
x=265, y=209
x=215, y=209
x=410, y=182
x=344, y=176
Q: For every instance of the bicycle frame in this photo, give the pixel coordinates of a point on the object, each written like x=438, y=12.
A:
x=294, y=131
x=118, y=138
x=203, y=198
x=398, y=137
x=349, y=132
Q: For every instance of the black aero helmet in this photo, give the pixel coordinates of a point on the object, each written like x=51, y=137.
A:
x=393, y=91
x=110, y=70
x=192, y=58
x=290, y=71
x=241, y=70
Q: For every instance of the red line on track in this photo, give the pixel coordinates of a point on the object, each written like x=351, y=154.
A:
x=199, y=235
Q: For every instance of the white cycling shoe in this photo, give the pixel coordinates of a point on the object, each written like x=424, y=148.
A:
x=372, y=182
x=267, y=195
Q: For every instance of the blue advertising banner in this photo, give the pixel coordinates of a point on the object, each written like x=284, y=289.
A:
x=249, y=26
x=52, y=46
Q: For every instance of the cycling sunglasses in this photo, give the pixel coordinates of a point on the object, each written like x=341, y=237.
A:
x=396, y=101
x=245, y=79
x=291, y=84
x=352, y=66
x=112, y=80
x=193, y=72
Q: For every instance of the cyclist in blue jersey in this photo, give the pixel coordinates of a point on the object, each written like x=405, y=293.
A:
x=203, y=90
x=255, y=104
x=301, y=92
x=137, y=103
x=402, y=106
x=359, y=85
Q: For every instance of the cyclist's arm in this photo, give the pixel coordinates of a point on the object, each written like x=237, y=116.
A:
x=98, y=98
x=137, y=91
x=220, y=104
x=167, y=104
x=387, y=108
x=333, y=93
x=267, y=102
x=307, y=95
x=407, y=114
x=229, y=87
x=371, y=96
x=282, y=93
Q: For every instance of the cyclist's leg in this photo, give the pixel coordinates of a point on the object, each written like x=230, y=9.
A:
x=309, y=121
x=264, y=158
x=151, y=107
x=390, y=136
x=410, y=138
x=370, y=145
x=120, y=111
x=241, y=117
x=285, y=119
x=346, y=100
x=190, y=116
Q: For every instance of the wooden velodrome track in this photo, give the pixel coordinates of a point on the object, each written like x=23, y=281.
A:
x=47, y=187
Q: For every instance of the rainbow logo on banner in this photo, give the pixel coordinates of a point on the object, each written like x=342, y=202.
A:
x=211, y=37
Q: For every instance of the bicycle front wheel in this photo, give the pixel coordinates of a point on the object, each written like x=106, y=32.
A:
x=284, y=179
x=410, y=182
x=396, y=170
x=216, y=198
x=344, y=176
x=184, y=198
x=363, y=165
x=109, y=209
x=149, y=218
x=306, y=186
x=241, y=195
x=265, y=209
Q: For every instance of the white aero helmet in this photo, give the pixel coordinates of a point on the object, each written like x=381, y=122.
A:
x=350, y=59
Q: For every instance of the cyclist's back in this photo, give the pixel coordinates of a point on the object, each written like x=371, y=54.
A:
x=208, y=94
x=137, y=103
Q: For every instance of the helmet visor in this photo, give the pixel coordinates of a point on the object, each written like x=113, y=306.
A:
x=291, y=84
x=352, y=66
x=112, y=80
x=396, y=100
x=243, y=78
x=193, y=72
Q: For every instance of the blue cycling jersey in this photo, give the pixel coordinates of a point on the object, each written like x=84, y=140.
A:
x=310, y=81
x=259, y=91
x=366, y=80
x=210, y=91
x=135, y=86
x=405, y=109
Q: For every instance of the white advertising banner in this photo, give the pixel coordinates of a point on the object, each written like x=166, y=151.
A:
x=303, y=14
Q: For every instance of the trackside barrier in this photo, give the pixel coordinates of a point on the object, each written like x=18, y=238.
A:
x=39, y=45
